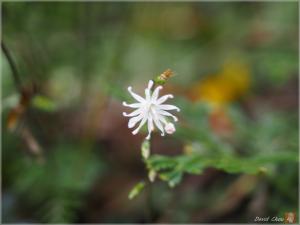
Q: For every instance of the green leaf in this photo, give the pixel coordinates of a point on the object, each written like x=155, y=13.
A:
x=136, y=190
x=173, y=177
x=158, y=162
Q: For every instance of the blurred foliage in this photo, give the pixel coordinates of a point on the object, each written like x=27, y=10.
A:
x=56, y=187
x=236, y=68
x=43, y=103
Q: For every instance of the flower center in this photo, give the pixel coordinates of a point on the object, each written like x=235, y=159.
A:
x=149, y=106
x=150, y=109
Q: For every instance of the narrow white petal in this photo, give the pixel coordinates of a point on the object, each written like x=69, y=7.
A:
x=136, y=96
x=140, y=125
x=162, y=119
x=150, y=126
x=165, y=113
x=168, y=107
x=157, y=122
x=156, y=93
x=134, y=113
x=163, y=98
x=150, y=84
x=147, y=94
x=134, y=105
x=134, y=120
x=148, y=90
x=150, y=123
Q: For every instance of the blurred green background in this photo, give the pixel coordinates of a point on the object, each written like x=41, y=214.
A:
x=67, y=154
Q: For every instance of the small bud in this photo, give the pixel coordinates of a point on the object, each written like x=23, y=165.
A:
x=170, y=128
x=145, y=149
x=136, y=190
x=158, y=80
x=152, y=175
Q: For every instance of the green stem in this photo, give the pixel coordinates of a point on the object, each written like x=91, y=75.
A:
x=149, y=193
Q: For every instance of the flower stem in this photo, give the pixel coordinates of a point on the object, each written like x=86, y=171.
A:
x=149, y=194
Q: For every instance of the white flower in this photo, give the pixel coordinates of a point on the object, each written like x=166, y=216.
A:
x=151, y=110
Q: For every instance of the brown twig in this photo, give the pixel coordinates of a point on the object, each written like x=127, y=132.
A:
x=18, y=111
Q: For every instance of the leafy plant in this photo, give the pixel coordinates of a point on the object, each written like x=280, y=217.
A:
x=265, y=141
x=172, y=169
x=57, y=186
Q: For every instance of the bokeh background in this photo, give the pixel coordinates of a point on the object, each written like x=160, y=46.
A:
x=67, y=154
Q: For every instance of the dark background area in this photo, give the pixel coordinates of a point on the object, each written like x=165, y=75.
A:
x=67, y=154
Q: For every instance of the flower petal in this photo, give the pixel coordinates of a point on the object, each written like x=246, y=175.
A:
x=134, y=105
x=148, y=90
x=150, y=84
x=165, y=113
x=147, y=94
x=162, y=119
x=136, y=96
x=150, y=126
x=140, y=125
x=157, y=122
x=134, y=120
x=168, y=107
x=134, y=113
x=156, y=93
x=163, y=98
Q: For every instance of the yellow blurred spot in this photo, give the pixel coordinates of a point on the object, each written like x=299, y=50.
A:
x=263, y=170
x=188, y=149
x=231, y=83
